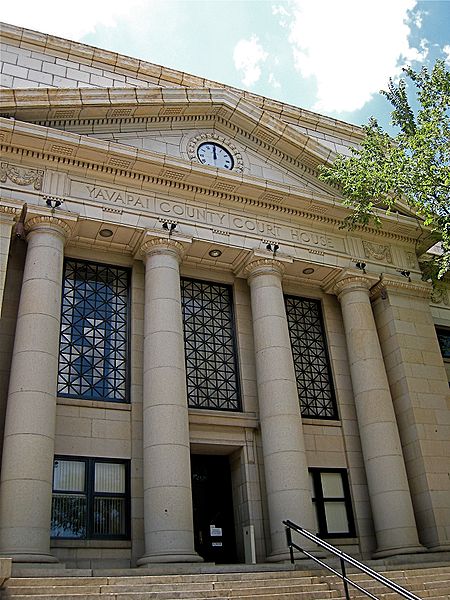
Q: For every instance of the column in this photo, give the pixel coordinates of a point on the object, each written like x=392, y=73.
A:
x=285, y=465
x=390, y=498
x=168, y=520
x=27, y=468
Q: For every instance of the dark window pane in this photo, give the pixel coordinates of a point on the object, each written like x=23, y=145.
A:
x=94, y=332
x=312, y=369
x=109, y=516
x=211, y=367
x=68, y=516
x=444, y=341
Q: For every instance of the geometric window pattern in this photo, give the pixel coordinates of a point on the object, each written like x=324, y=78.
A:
x=94, y=332
x=211, y=368
x=309, y=350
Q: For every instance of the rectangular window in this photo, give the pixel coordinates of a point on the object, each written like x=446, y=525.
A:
x=331, y=498
x=93, y=346
x=443, y=335
x=91, y=498
x=211, y=365
x=311, y=362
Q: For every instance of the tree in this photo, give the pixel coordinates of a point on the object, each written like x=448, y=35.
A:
x=412, y=167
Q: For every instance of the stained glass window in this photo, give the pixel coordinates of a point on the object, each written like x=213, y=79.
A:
x=211, y=367
x=94, y=332
x=309, y=350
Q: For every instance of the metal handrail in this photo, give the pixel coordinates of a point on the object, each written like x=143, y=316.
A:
x=344, y=558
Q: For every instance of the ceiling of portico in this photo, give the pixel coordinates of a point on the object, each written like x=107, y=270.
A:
x=126, y=241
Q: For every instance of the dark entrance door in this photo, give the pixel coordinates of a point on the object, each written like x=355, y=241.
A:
x=213, y=508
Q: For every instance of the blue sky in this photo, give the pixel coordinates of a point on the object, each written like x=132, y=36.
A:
x=329, y=56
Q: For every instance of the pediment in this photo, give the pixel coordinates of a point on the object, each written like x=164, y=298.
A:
x=183, y=143
x=121, y=128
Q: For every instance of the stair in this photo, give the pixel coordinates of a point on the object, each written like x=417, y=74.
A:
x=430, y=583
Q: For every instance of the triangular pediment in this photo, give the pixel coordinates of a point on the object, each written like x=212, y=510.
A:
x=157, y=120
x=103, y=126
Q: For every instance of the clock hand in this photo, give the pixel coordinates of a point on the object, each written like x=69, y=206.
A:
x=214, y=153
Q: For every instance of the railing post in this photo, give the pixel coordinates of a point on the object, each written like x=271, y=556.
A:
x=344, y=579
x=289, y=543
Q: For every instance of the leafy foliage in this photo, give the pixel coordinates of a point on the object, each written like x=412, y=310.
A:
x=411, y=168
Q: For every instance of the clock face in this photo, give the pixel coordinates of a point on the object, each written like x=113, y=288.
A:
x=210, y=153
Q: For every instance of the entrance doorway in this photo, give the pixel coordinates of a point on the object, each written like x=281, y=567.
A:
x=213, y=508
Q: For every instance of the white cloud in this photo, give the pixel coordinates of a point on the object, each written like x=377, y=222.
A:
x=446, y=50
x=247, y=56
x=273, y=81
x=351, y=47
x=69, y=21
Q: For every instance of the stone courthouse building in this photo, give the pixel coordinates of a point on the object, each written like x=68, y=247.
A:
x=192, y=348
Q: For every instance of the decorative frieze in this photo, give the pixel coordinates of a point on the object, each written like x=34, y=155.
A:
x=21, y=176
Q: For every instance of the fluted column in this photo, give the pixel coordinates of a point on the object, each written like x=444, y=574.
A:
x=389, y=493
x=285, y=465
x=27, y=468
x=168, y=520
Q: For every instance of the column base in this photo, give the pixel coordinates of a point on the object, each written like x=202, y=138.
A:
x=149, y=559
x=25, y=558
x=399, y=551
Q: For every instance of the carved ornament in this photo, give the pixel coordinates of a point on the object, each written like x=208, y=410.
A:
x=20, y=176
x=377, y=252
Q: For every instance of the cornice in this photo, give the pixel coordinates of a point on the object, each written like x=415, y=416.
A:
x=400, y=285
x=138, y=165
x=51, y=105
x=159, y=75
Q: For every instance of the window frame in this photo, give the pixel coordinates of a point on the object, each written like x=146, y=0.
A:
x=79, y=396
x=90, y=494
x=319, y=500
x=333, y=398
x=239, y=399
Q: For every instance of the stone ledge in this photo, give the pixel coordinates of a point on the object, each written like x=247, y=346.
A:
x=5, y=569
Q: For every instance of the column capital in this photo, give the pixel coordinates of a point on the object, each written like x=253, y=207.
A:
x=162, y=245
x=351, y=280
x=401, y=285
x=264, y=266
x=8, y=213
x=49, y=223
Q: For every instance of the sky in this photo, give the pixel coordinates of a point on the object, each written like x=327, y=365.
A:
x=328, y=56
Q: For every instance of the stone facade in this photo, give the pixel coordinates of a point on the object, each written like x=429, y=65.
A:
x=330, y=402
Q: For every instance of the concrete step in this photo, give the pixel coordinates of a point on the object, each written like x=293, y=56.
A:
x=429, y=583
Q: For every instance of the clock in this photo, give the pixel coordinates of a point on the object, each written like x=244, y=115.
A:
x=215, y=155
